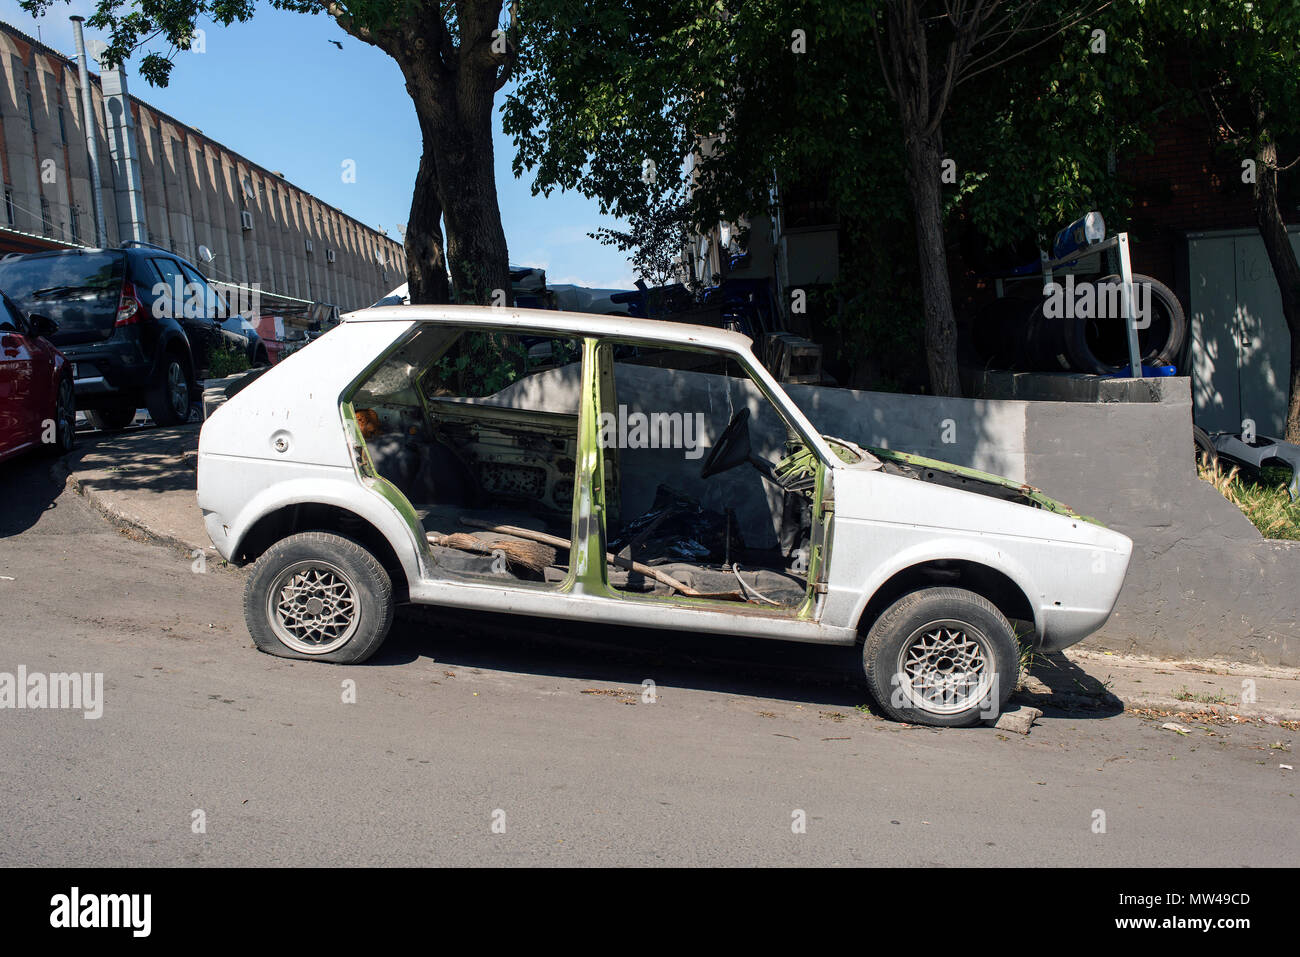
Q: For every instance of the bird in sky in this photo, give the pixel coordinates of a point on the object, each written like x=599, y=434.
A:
x=337, y=44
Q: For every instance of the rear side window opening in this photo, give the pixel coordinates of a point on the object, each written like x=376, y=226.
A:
x=478, y=429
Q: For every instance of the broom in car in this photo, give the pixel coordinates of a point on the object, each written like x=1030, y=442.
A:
x=534, y=556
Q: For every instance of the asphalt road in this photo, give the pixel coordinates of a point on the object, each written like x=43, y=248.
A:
x=457, y=726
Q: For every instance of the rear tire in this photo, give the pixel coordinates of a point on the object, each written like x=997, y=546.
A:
x=168, y=398
x=941, y=656
x=65, y=419
x=111, y=418
x=316, y=595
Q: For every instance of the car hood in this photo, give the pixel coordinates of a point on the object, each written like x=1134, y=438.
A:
x=937, y=472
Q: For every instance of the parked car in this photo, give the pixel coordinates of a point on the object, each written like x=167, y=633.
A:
x=37, y=406
x=416, y=455
x=137, y=324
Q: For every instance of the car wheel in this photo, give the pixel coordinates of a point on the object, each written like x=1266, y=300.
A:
x=941, y=656
x=111, y=418
x=65, y=419
x=168, y=399
x=318, y=595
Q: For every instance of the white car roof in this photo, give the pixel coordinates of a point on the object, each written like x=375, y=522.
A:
x=550, y=320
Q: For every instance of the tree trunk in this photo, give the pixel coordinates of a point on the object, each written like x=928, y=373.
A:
x=908, y=75
x=476, y=241
x=924, y=156
x=1281, y=255
x=426, y=263
x=453, y=87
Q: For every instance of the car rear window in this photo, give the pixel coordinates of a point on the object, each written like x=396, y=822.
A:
x=78, y=290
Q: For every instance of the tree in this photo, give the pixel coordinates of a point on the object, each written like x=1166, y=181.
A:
x=792, y=91
x=755, y=94
x=655, y=236
x=927, y=49
x=1239, y=63
x=454, y=56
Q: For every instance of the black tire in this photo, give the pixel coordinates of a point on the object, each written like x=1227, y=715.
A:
x=905, y=625
x=168, y=398
x=342, y=568
x=111, y=418
x=1205, y=450
x=1100, y=346
x=65, y=419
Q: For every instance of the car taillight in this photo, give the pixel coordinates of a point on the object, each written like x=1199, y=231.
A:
x=129, y=308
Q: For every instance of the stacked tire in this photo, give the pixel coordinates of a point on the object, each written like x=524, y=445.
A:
x=1017, y=335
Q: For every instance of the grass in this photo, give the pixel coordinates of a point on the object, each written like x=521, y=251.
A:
x=225, y=360
x=1203, y=698
x=1263, y=497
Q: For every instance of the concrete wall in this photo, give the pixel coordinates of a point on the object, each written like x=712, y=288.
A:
x=1202, y=583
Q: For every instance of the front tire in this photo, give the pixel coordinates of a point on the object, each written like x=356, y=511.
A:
x=318, y=596
x=941, y=656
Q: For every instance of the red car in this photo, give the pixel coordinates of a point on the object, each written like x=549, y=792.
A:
x=37, y=405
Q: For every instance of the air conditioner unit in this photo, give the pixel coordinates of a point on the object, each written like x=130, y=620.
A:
x=246, y=219
x=329, y=255
x=310, y=247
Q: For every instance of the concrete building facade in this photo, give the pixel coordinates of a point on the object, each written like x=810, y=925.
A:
x=195, y=192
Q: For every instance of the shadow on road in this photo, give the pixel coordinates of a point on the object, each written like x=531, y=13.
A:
x=1064, y=689
x=727, y=664
x=26, y=493
x=625, y=656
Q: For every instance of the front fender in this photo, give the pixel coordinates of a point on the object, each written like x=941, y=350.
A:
x=901, y=555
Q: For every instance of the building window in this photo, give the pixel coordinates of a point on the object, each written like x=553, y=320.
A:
x=76, y=226
x=63, y=130
x=9, y=206
x=31, y=113
x=46, y=227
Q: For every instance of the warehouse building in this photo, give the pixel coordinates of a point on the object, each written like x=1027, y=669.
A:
x=166, y=183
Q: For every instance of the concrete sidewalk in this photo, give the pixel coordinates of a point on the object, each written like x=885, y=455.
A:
x=143, y=481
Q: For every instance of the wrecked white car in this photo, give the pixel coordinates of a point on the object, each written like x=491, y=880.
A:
x=631, y=472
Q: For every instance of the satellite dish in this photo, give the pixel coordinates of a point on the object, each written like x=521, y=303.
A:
x=206, y=254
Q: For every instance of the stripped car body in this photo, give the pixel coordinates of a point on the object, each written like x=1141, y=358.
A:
x=289, y=454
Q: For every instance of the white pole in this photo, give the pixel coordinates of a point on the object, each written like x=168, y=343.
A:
x=1126, y=299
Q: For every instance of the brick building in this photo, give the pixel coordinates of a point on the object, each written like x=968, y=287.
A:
x=173, y=186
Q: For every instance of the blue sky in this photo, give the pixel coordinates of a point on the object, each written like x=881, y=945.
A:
x=278, y=92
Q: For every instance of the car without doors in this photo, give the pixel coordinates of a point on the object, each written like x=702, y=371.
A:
x=630, y=472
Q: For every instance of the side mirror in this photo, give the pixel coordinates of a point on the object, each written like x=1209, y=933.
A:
x=43, y=326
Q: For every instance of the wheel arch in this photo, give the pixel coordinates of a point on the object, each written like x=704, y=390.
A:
x=174, y=342
x=1007, y=595
x=286, y=520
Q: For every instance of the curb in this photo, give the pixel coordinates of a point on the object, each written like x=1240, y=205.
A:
x=1177, y=706
x=118, y=518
